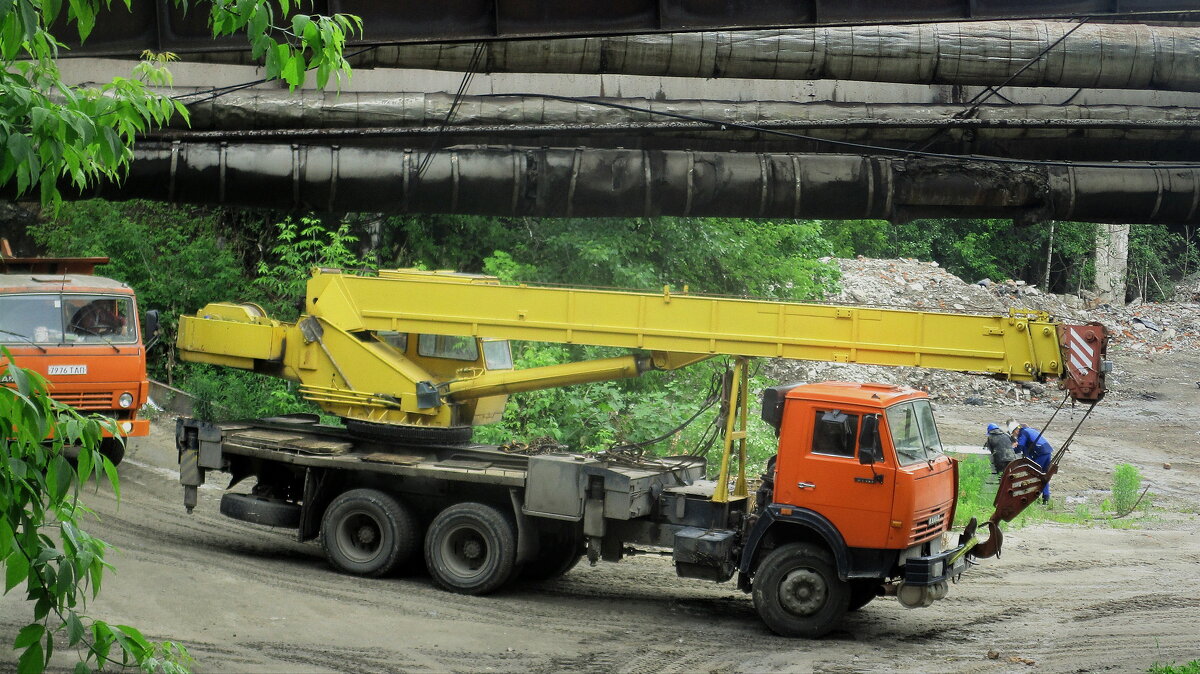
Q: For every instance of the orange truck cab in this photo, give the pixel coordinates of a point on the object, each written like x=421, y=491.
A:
x=861, y=477
x=81, y=333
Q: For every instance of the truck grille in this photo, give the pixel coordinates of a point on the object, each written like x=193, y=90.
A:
x=87, y=400
x=929, y=522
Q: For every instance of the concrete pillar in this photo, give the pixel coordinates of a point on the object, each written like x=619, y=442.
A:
x=1112, y=256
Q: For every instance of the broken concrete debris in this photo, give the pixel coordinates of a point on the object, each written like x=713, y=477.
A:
x=1141, y=329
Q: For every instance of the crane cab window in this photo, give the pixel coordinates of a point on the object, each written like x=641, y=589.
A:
x=448, y=346
x=396, y=340
x=497, y=355
x=835, y=433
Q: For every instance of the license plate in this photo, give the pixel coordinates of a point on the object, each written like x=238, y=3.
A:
x=68, y=369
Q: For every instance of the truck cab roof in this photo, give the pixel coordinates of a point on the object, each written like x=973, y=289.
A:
x=871, y=394
x=54, y=283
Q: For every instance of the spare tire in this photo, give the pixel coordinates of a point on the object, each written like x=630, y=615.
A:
x=409, y=435
x=258, y=510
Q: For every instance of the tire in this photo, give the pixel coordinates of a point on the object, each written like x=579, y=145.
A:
x=367, y=532
x=797, y=591
x=259, y=510
x=862, y=592
x=409, y=435
x=559, y=549
x=114, y=449
x=471, y=548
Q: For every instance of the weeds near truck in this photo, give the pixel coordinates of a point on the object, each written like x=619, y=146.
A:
x=39, y=493
x=1126, y=487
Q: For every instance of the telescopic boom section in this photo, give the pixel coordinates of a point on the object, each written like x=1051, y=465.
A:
x=369, y=347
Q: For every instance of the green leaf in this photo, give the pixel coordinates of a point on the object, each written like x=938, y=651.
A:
x=32, y=661
x=75, y=629
x=16, y=570
x=30, y=634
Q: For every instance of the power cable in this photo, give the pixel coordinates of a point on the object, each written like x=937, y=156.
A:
x=842, y=143
x=472, y=67
x=982, y=97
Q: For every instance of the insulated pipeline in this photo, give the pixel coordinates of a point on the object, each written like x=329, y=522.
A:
x=562, y=182
x=1095, y=55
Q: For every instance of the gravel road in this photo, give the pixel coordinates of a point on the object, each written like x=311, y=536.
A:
x=1063, y=598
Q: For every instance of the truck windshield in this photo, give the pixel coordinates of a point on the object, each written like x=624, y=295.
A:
x=914, y=433
x=67, y=319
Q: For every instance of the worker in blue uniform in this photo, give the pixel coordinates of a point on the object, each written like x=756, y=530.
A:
x=1029, y=442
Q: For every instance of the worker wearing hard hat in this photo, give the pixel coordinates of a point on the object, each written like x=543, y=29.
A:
x=999, y=445
x=1029, y=442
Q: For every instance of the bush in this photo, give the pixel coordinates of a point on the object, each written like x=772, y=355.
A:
x=1127, y=483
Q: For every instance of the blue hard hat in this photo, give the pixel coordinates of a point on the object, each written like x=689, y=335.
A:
x=992, y=427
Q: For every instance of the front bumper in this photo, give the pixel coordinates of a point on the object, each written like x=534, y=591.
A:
x=131, y=428
x=933, y=569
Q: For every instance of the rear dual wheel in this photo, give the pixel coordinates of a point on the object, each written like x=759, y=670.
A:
x=368, y=532
x=471, y=548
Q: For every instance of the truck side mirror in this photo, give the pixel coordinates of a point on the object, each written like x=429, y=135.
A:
x=869, y=451
x=151, y=336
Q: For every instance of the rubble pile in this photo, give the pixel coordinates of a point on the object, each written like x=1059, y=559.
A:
x=1140, y=329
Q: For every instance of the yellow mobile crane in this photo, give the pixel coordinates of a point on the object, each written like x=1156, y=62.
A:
x=855, y=505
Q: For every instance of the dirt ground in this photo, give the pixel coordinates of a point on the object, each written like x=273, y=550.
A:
x=1063, y=598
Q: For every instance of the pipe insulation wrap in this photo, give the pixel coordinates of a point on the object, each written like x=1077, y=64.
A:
x=562, y=182
x=1095, y=55
x=311, y=109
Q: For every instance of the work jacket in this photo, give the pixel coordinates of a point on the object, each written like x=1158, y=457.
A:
x=1029, y=444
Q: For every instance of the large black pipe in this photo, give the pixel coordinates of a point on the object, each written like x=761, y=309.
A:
x=560, y=182
x=177, y=27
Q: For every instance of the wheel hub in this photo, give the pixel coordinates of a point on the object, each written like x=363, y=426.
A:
x=803, y=592
x=365, y=535
x=472, y=549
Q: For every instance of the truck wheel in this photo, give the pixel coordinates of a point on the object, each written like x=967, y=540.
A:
x=409, y=435
x=367, y=532
x=259, y=510
x=559, y=550
x=797, y=591
x=861, y=593
x=471, y=548
x=114, y=449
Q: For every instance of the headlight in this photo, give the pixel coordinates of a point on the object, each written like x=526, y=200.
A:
x=125, y=400
x=937, y=568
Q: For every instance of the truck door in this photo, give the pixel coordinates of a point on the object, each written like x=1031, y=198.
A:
x=819, y=469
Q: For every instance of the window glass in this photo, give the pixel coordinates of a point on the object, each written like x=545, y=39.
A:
x=914, y=433
x=99, y=319
x=396, y=340
x=31, y=318
x=497, y=355
x=448, y=346
x=929, y=431
x=835, y=433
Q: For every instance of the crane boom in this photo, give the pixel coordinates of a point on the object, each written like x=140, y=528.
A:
x=413, y=347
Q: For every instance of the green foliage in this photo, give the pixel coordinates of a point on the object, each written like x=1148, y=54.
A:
x=1192, y=667
x=300, y=248
x=975, y=249
x=709, y=255
x=173, y=257
x=39, y=493
x=226, y=393
x=1156, y=255
x=50, y=130
x=1127, y=484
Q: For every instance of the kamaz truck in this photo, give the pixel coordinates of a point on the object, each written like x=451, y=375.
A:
x=80, y=331
x=857, y=502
